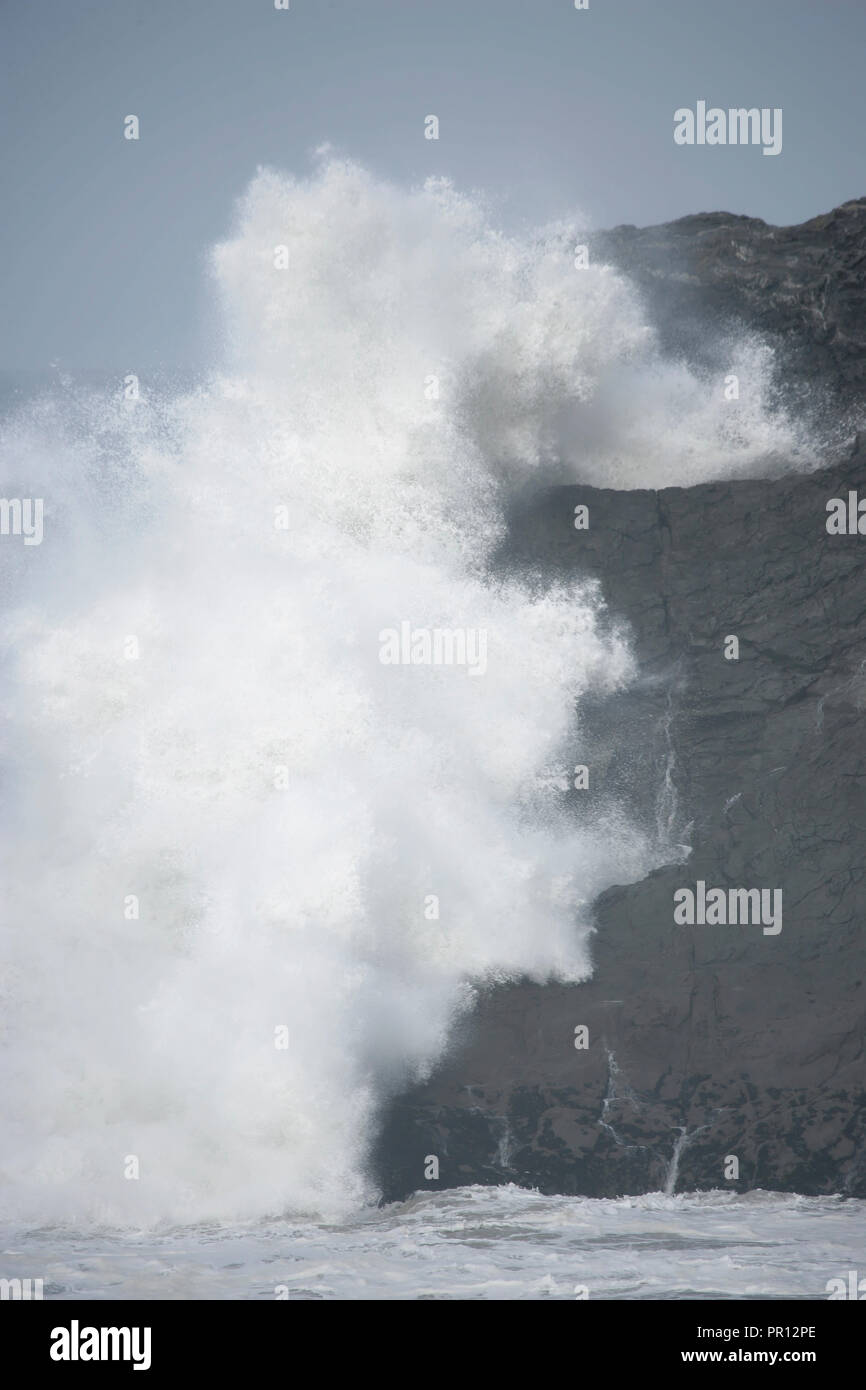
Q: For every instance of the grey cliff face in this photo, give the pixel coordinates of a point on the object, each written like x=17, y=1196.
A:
x=802, y=288
x=706, y=1043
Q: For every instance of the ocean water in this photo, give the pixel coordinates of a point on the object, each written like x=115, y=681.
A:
x=474, y=1243
x=252, y=874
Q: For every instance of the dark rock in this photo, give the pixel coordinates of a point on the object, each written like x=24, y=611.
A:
x=705, y=1041
x=803, y=289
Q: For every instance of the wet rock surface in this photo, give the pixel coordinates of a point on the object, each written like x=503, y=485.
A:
x=707, y=1043
x=802, y=288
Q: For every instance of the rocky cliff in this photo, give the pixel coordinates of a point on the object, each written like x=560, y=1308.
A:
x=803, y=289
x=718, y=1055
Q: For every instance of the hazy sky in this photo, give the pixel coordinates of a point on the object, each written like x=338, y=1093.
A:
x=548, y=109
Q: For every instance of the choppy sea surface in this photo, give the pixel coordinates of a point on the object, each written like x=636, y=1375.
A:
x=476, y=1243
